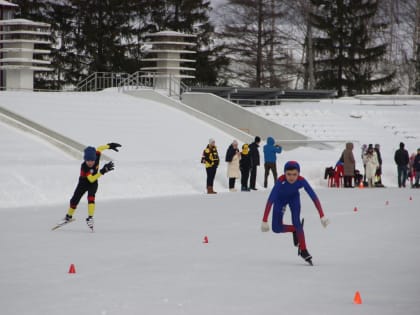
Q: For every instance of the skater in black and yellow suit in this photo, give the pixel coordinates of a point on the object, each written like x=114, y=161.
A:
x=88, y=180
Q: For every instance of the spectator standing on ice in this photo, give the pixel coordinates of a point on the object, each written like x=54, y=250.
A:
x=232, y=158
x=378, y=174
x=245, y=166
x=416, y=168
x=211, y=161
x=370, y=159
x=254, y=154
x=349, y=164
x=363, y=150
x=286, y=192
x=402, y=160
x=270, y=159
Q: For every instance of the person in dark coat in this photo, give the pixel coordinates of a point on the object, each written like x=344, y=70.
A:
x=245, y=166
x=255, y=161
x=379, y=170
x=416, y=168
x=402, y=159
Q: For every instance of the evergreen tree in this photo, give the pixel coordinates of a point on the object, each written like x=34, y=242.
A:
x=347, y=54
x=253, y=42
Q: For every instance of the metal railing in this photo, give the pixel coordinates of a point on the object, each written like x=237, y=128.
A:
x=169, y=83
x=101, y=80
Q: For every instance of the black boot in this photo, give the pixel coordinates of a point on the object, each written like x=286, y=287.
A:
x=305, y=255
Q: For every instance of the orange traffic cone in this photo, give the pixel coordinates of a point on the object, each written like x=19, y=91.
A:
x=361, y=185
x=205, y=240
x=72, y=269
x=357, y=299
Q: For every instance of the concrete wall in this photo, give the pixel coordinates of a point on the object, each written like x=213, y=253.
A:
x=244, y=120
x=64, y=143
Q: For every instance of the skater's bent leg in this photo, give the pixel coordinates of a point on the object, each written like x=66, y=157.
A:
x=75, y=199
x=277, y=222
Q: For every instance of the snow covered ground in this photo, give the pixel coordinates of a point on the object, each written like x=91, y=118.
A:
x=147, y=255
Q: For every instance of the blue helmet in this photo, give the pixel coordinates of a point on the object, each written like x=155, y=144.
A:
x=291, y=165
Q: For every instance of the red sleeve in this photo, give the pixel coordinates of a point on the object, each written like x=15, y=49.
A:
x=267, y=211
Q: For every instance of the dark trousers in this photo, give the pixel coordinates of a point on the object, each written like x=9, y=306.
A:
x=244, y=177
x=232, y=182
x=348, y=181
x=267, y=167
x=402, y=175
x=80, y=190
x=253, y=178
x=211, y=174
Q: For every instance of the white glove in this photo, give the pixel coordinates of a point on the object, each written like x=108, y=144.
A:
x=325, y=222
x=265, y=227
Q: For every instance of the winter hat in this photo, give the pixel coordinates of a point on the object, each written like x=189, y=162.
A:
x=90, y=154
x=291, y=165
x=245, y=149
x=257, y=139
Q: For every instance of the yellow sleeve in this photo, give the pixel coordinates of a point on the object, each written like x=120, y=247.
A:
x=94, y=178
x=102, y=148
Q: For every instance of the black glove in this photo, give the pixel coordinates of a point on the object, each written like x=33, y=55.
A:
x=107, y=167
x=114, y=146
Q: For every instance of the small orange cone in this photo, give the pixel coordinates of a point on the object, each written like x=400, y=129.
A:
x=357, y=299
x=205, y=240
x=355, y=209
x=72, y=269
x=361, y=185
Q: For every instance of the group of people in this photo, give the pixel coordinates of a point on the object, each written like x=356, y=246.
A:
x=284, y=193
x=241, y=163
x=407, y=166
x=372, y=164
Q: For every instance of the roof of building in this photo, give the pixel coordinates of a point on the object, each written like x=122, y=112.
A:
x=7, y=4
x=264, y=93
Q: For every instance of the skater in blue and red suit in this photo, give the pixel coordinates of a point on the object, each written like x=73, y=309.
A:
x=286, y=192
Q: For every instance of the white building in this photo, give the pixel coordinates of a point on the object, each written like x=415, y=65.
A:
x=166, y=50
x=23, y=49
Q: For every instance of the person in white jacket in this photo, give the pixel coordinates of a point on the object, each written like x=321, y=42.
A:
x=233, y=157
x=370, y=159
